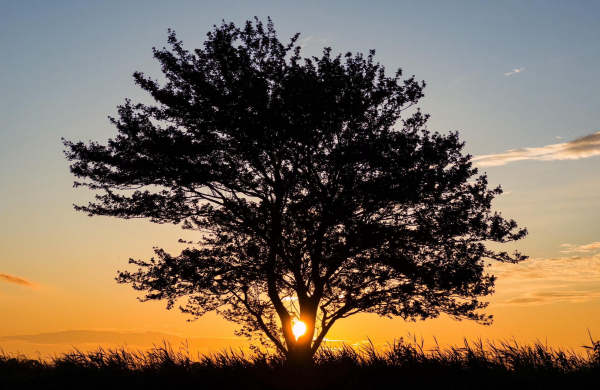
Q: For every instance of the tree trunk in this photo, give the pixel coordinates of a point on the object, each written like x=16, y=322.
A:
x=300, y=356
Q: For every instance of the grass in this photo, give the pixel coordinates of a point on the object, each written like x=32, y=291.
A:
x=405, y=363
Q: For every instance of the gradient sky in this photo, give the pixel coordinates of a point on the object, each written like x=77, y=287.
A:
x=519, y=80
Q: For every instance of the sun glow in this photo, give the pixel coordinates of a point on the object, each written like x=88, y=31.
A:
x=299, y=329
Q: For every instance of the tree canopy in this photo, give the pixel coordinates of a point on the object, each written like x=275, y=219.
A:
x=316, y=196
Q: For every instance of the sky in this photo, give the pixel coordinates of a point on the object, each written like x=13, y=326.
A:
x=519, y=80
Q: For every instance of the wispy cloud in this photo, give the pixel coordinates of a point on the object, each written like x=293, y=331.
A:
x=514, y=71
x=581, y=248
x=583, y=147
x=575, y=269
x=305, y=41
x=543, y=298
x=545, y=281
x=16, y=280
x=313, y=41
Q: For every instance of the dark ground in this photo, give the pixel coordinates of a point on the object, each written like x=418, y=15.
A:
x=401, y=366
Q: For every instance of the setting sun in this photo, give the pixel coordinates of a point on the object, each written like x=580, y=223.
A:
x=299, y=329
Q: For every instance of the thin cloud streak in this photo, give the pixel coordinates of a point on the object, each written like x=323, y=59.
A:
x=560, y=275
x=68, y=337
x=544, y=298
x=574, y=269
x=581, y=248
x=583, y=147
x=16, y=280
x=515, y=71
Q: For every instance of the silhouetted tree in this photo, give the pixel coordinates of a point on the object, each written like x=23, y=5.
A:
x=316, y=198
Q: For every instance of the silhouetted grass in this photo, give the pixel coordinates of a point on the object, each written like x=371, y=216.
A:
x=403, y=364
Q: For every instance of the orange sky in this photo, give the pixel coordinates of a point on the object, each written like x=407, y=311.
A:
x=71, y=287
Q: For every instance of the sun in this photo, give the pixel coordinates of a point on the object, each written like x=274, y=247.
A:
x=298, y=329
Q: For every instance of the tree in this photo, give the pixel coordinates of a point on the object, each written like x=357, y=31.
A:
x=316, y=198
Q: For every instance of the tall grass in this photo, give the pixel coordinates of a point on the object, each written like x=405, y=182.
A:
x=404, y=363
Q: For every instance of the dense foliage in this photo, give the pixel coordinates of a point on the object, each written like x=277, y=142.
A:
x=316, y=198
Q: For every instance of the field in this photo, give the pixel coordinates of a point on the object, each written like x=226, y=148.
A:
x=402, y=364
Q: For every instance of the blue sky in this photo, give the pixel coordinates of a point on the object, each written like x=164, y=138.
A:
x=66, y=65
